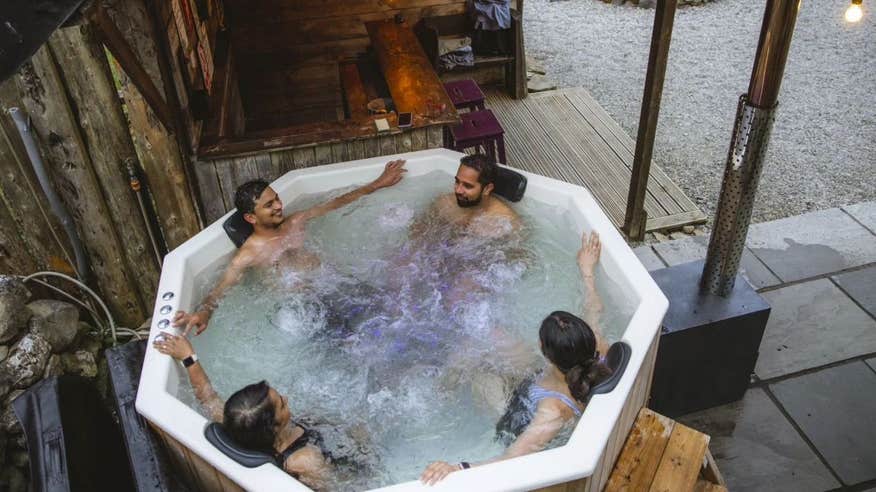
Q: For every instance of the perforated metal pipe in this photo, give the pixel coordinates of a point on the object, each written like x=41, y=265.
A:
x=751, y=134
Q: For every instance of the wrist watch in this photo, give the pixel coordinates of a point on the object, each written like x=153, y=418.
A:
x=190, y=360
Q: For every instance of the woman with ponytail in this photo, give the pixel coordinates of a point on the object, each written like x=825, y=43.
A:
x=542, y=406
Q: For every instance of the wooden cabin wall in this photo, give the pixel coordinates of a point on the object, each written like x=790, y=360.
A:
x=218, y=179
x=288, y=52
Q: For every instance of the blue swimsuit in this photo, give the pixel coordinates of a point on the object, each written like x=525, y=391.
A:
x=521, y=409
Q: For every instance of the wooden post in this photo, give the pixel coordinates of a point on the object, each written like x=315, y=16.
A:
x=83, y=66
x=44, y=242
x=45, y=98
x=157, y=148
x=636, y=218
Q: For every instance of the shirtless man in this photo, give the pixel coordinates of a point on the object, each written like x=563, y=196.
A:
x=472, y=205
x=275, y=239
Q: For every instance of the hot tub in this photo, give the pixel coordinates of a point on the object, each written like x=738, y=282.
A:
x=587, y=457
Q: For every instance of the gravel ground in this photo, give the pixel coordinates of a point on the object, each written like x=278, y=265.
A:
x=822, y=152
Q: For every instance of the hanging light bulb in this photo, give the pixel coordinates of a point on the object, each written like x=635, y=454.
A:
x=854, y=12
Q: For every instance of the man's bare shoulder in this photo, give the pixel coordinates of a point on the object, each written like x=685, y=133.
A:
x=499, y=208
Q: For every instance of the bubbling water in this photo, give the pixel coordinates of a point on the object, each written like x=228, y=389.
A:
x=404, y=345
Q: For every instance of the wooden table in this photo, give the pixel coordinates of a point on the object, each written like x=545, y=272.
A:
x=413, y=83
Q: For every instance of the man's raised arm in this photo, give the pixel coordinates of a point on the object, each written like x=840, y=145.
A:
x=199, y=318
x=391, y=175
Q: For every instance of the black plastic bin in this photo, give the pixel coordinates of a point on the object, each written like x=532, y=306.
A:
x=72, y=440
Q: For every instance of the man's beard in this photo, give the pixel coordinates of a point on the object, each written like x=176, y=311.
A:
x=465, y=203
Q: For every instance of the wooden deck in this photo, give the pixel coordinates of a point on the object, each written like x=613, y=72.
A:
x=567, y=135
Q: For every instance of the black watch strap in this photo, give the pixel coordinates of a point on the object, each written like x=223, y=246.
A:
x=190, y=360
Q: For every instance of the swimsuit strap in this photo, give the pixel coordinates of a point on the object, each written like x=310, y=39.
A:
x=538, y=393
x=303, y=440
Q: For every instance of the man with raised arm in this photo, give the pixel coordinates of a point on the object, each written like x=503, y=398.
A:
x=276, y=240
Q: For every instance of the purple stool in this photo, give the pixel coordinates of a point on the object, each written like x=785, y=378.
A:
x=465, y=94
x=478, y=129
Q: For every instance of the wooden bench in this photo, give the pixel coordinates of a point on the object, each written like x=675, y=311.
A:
x=355, y=96
x=661, y=455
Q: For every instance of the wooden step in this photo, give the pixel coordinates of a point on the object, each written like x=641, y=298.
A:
x=661, y=455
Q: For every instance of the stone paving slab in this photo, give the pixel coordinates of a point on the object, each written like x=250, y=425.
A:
x=813, y=244
x=695, y=248
x=757, y=449
x=835, y=409
x=649, y=258
x=812, y=324
x=864, y=213
x=861, y=286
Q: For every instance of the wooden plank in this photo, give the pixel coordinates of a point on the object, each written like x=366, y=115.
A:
x=403, y=142
x=211, y=191
x=245, y=169
x=304, y=157
x=15, y=257
x=340, y=152
x=419, y=139
x=711, y=471
x=387, y=144
x=282, y=161
x=44, y=96
x=41, y=234
x=706, y=486
x=435, y=137
x=354, y=90
x=675, y=221
x=641, y=456
x=158, y=149
x=356, y=149
x=227, y=180
x=265, y=166
x=323, y=154
x=372, y=147
x=682, y=460
x=624, y=145
x=87, y=78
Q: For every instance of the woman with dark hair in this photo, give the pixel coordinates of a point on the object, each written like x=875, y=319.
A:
x=542, y=406
x=256, y=418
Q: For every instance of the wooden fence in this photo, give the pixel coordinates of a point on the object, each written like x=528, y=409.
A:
x=84, y=134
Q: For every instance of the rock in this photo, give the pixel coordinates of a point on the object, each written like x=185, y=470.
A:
x=13, y=314
x=90, y=344
x=80, y=363
x=688, y=229
x=699, y=231
x=659, y=236
x=8, y=421
x=5, y=383
x=28, y=360
x=538, y=83
x=4, y=351
x=677, y=235
x=3, y=441
x=13, y=479
x=56, y=321
x=54, y=367
x=647, y=4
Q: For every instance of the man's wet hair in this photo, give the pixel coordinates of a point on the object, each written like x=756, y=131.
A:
x=485, y=167
x=248, y=194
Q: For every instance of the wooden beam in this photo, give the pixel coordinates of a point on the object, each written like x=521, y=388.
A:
x=121, y=50
x=661, y=35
